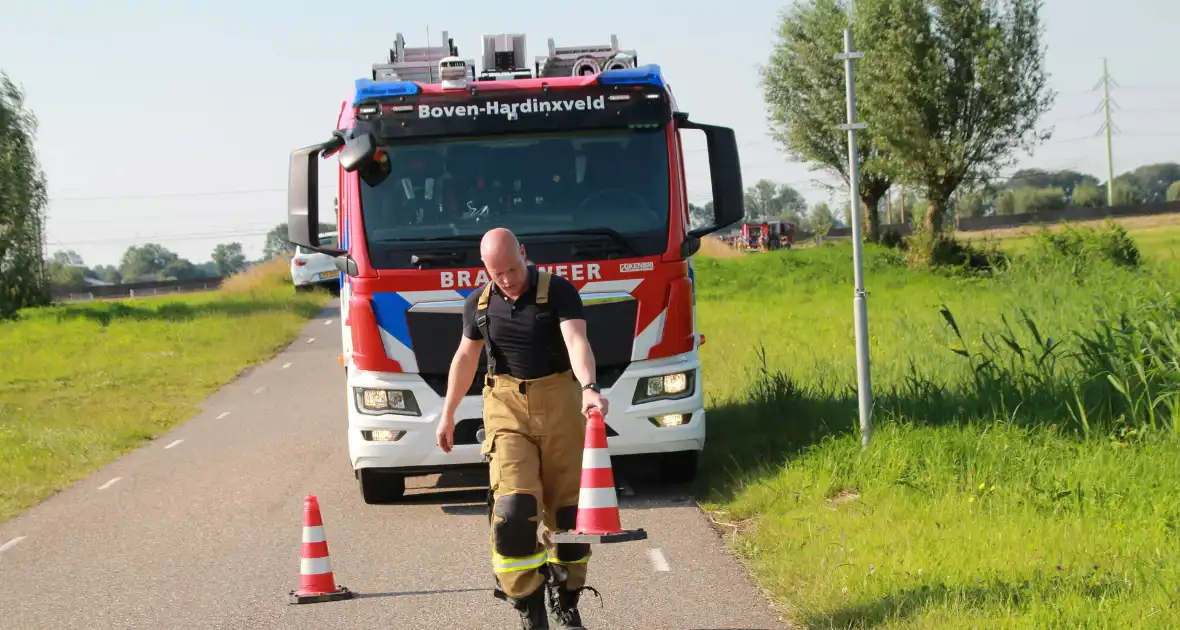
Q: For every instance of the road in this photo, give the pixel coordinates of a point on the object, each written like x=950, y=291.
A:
x=202, y=528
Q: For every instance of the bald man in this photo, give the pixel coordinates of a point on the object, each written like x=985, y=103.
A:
x=539, y=387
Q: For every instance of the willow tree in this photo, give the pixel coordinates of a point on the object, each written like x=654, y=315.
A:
x=22, y=206
x=804, y=89
x=954, y=87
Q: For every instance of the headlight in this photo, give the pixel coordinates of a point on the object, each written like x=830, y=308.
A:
x=665, y=387
x=376, y=402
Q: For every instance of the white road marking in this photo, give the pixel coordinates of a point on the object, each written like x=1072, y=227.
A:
x=286, y=365
x=328, y=323
x=311, y=340
x=658, y=561
x=12, y=543
x=223, y=414
x=259, y=390
x=173, y=444
x=109, y=483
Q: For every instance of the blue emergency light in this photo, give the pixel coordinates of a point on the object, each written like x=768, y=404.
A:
x=367, y=88
x=643, y=75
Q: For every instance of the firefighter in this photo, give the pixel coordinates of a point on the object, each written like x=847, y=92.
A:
x=539, y=387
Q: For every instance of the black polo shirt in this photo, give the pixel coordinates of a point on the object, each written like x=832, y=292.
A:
x=526, y=339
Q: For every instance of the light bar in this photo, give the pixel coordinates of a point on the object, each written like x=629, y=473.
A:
x=367, y=88
x=643, y=75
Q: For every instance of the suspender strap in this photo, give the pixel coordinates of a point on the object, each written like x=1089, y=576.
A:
x=481, y=322
x=542, y=287
x=481, y=318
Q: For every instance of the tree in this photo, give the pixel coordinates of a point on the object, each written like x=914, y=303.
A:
x=1087, y=195
x=1150, y=182
x=768, y=200
x=107, y=273
x=277, y=245
x=700, y=216
x=66, y=269
x=1066, y=180
x=951, y=89
x=1126, y=193
x=228, y=259
x=820, y=219
x=804, y=88
x=1174, y=191
x=146, y=260
x=973, y=204
x=1038, y=199
x=179, y=269
x=23, y=199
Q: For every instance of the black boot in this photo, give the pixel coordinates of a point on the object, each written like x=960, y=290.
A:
x=532, y=610
x=563, y=603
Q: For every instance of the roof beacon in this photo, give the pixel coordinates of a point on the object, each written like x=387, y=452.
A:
x=585, y=60
x=422, y=63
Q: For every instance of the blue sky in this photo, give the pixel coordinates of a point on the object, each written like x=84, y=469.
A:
x=183, y=104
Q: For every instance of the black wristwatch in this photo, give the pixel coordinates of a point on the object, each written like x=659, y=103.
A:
x=592, y=387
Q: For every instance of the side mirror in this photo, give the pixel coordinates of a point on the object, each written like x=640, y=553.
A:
x=303, y=197
x=346, y=265
x=725, y=171
x=359, y=149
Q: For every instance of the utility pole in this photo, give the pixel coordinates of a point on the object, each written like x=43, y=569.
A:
x=1108, y=127
x=859, y=307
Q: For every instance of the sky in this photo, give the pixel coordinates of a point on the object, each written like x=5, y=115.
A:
x=172, y=122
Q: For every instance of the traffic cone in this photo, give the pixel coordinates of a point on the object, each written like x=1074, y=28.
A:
x=598, y=518
x=316, y=581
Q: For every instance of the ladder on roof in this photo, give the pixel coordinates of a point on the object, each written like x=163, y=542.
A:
x=503, y=58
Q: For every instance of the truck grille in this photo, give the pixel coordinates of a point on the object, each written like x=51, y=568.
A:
x=435, y=330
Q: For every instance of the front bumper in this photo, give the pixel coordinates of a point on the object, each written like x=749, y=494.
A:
x=630, y=432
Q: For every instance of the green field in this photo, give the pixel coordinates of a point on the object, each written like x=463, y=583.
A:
x=1028, y=484
x=1021, y=473
x=81, y=384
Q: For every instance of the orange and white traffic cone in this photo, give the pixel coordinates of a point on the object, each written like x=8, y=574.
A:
x=598, y=518
x=316, y=580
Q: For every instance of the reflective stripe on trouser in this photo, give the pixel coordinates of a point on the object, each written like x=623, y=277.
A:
x=535, y=443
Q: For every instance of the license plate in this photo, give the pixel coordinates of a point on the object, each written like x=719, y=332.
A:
x=328, y=275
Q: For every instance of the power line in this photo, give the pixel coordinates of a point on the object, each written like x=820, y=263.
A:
x=207, y=193
x=165, y=238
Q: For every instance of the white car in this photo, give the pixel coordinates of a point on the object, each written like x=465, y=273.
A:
x=311, y=269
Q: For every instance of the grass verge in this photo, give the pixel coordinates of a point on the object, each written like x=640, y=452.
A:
x=81, y=384
x=1026, y=425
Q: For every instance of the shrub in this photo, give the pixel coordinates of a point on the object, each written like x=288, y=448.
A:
x=930, y=251
x=1079, y=246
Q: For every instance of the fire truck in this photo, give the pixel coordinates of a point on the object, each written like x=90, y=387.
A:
x=779, y=234
x=752, y=232
x=580, y=154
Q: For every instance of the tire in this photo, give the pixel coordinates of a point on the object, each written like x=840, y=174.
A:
x=378, y=486
x=679, y=467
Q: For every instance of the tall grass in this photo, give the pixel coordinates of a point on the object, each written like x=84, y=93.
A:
x=1026, y=429
x=81, y=384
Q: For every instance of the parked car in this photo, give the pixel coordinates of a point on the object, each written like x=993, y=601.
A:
x=311, y=269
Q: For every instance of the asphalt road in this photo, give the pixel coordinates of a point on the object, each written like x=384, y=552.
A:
x=202, y=528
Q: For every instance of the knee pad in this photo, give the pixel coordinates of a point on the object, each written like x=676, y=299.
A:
x=567, y=519
x=514, y=530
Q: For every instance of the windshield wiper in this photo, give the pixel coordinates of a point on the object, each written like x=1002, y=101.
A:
x=584, y=249
x=431, y=239
x=428, y=258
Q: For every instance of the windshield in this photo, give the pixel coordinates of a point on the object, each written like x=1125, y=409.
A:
x=532, y=184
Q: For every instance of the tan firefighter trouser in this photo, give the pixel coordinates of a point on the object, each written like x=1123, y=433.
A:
x=534, y=440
